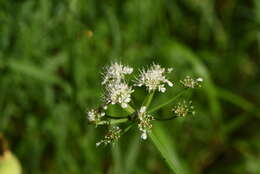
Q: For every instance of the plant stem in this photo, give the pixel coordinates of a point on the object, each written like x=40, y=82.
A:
x=127, y=128
x=117, y=118
x=148, y=99
x=129, y=109
x=168, y=102
x=113, y=121
x=165, y=119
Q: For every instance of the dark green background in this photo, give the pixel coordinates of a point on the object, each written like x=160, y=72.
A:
x=51, y=55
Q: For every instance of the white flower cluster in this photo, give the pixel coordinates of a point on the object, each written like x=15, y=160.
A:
x=115, y=73
x=144, y=122
x=118, y=93
x=183, y=108
x=154, y=78
x=95, y=115
x=189, y=82
x=112, y=136
x=117, y=90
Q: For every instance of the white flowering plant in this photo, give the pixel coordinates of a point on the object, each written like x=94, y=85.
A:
x=118, y=91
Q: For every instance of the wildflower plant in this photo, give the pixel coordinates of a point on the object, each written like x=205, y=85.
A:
x=118, y=91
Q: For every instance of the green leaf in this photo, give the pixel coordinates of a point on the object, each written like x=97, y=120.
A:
x=167, y=149
x=132, y=154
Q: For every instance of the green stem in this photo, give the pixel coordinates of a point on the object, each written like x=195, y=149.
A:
x=114, y=121
x=166, y=119
x=148, y=99
x=129, y=109
x=117, y=118
x=127, y=128
x=168, y=102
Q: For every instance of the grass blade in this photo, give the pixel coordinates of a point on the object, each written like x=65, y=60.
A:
x=167, y=150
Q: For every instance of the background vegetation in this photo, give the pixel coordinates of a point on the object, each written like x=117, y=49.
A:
x=51, y=55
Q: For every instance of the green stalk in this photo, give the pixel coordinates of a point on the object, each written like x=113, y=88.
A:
x=129, y=109
x=113, y=121
x=148, y=99
x=127, y=128
x=168, y=102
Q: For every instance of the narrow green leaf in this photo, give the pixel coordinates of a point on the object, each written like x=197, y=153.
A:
x=132, y=154
x=166, y=148
x=116, y=152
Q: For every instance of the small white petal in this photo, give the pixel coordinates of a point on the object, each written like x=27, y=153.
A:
x=200, y=79
x=170, y=70
x=143, y=109
x=124, y=105
x=144, y=135
x=170, y=83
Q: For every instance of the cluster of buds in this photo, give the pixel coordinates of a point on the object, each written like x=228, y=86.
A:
x=118, y=91
x=189, y=82
x=144, y=122
x=95, y=115
x=112, y=135
x=183, y=108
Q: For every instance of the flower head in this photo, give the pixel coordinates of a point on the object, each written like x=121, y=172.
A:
x=183, y=108
x=95, y=115
x=118, y=93
x=112, y=135
x=115, y=73
x=154, y=78
x=144, y=122
x=189, y=82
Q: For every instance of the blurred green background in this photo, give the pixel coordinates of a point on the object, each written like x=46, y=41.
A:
x=51, y=55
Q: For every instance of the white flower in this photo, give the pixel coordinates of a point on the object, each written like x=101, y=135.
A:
x=184, y=108
x=94, y=115
x=112, y=135
x=144, y=135
x=154, y=78
x=200, y=79
x=118, y=93
x=115, y=73
x=143, y=109
x=189, y=82
x=144, y=122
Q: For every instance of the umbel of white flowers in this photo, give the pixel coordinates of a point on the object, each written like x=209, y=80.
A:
x=118, y=91
x=154, y=78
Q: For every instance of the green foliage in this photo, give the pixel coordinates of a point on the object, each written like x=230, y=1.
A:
x=51, y=54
